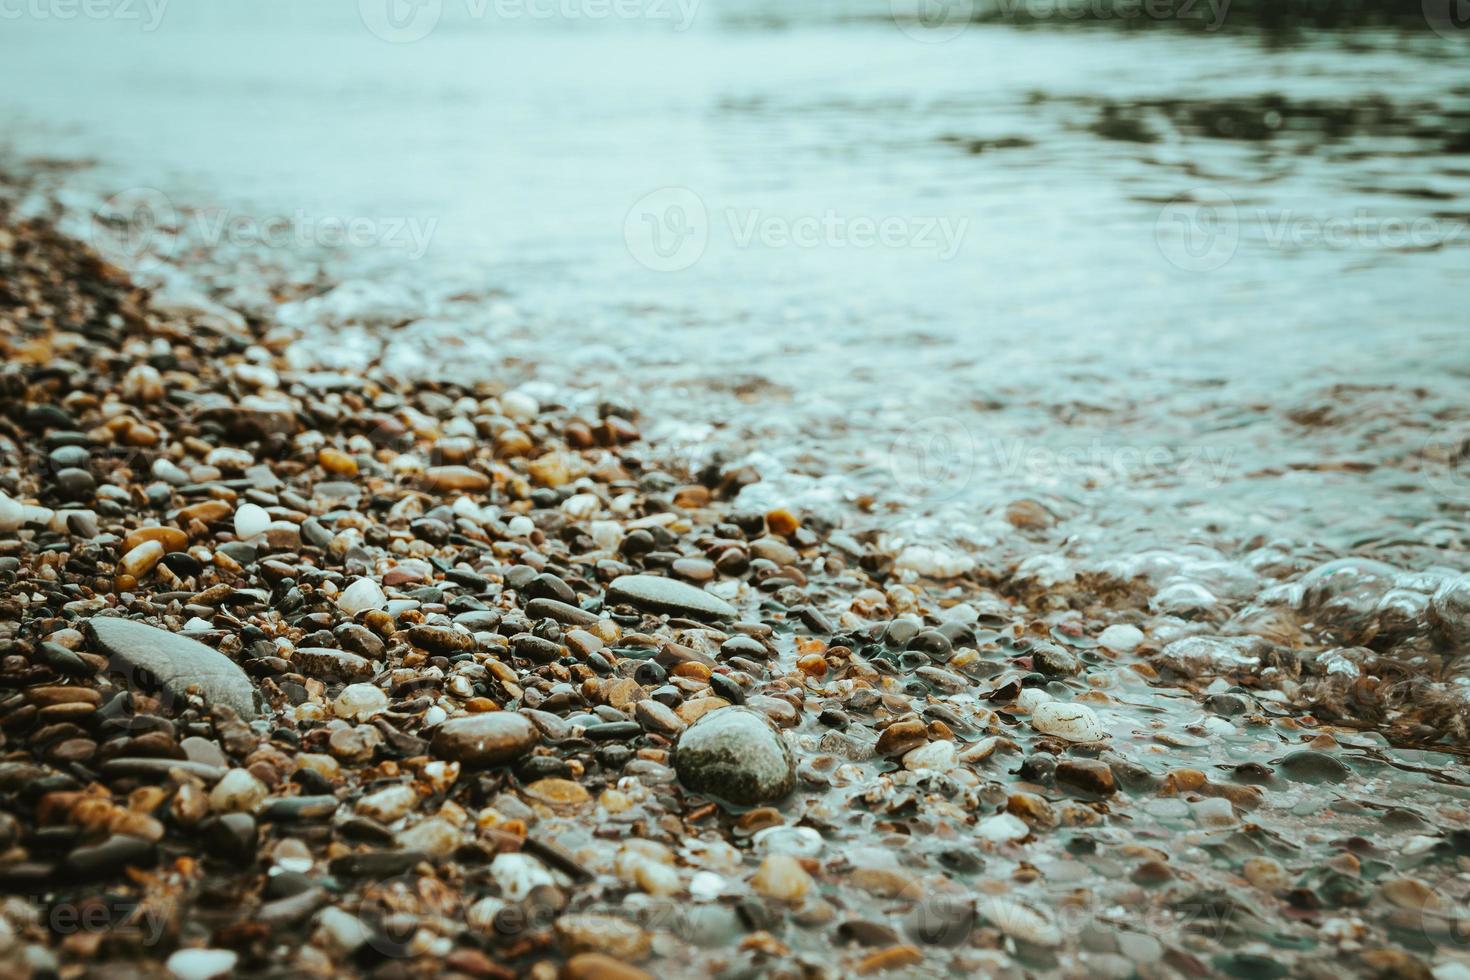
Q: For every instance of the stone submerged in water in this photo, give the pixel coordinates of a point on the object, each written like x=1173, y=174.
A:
x=153, y=658
x=664, y=595
x=735, y=755
x=489, y=738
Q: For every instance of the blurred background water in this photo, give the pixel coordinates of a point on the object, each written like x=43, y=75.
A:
x=1184, y=273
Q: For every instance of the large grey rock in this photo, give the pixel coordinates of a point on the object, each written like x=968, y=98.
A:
x=735, y=755
x=665, y=595
x=169, y=664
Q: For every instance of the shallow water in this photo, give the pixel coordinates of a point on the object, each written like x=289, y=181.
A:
x=1185, y=289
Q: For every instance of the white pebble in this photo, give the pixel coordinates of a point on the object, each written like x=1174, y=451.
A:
x=12, y=515
x=520, y=526
x=1074, y=722
x=361, y=595
x=436, y=837
x=1002, y=827
x=519, y=405
x=1019, y=921
x=517, y=874
x=251, y=520
x=939, y=756
x=1030, y=698
x=606, y=534
x=934, y=562
x=358, y=702
x=201, y=964
x=389, y=803
x=1122, y=639
x=168, y=471
x=581, y=505
x=238, y=792
x=434, y=716
x=342, y=930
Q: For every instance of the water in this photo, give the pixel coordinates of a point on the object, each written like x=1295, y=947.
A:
x=1184, y=288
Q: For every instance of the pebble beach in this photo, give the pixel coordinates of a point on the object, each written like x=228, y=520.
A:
x=1048, y=602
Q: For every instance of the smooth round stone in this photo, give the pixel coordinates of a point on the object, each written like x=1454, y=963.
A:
x=1308, y=766
x=1449, y=610
x=362, y=595
x=251, y=520
x=74, y=483
x=1120, y=638
x=735, y=755
x=489, y=738
x=657, y=594
x=12, y=515
x=1073, y=722
x=358, y=702
x=201, y=964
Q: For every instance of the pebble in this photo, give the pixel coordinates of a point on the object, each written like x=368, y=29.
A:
x=238, y=792
x=735, y=755
x=361, y=596
x=781, y=877
x=251, y=520
x=149, y=656
x=664, y=595
x=1073, y=722
x=490, y=738
x=1121, y=638
x=358, y=702
x=201, y=964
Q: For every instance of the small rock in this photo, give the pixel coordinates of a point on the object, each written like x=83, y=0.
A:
x=737, y=755
x=665, y=595
x=489, y=738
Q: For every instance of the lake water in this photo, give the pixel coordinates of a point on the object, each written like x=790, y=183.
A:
x=1185, y=288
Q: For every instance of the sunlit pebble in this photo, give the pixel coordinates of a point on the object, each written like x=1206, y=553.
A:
x=169, y=472
x=238, y=792
x=607, y=535
x=781, y=877
x=434, y=716
x=1030, y=698
x=519, y=406
x=517, y=874
x=251, y=520
x=1123, y=639
x=12, y=515
x=520, y=526
x=257, y=376
x=1002, y=827
x=197, y=624
x=440, y=775
x=938, y=756
x=358, y=702
x=292, y=855
x=1074, y=722
x=436, y=837
x=481, y=915
x=389, y=803
x=201, y=964
x=795, y=841
x=706, y=886
x=362, y=595
x=342, y=930
x=581, y=505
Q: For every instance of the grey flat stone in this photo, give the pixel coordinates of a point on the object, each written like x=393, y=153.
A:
x=155, y=659
x=664, y=595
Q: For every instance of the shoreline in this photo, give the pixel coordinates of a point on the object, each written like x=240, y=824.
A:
x=937, y=815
